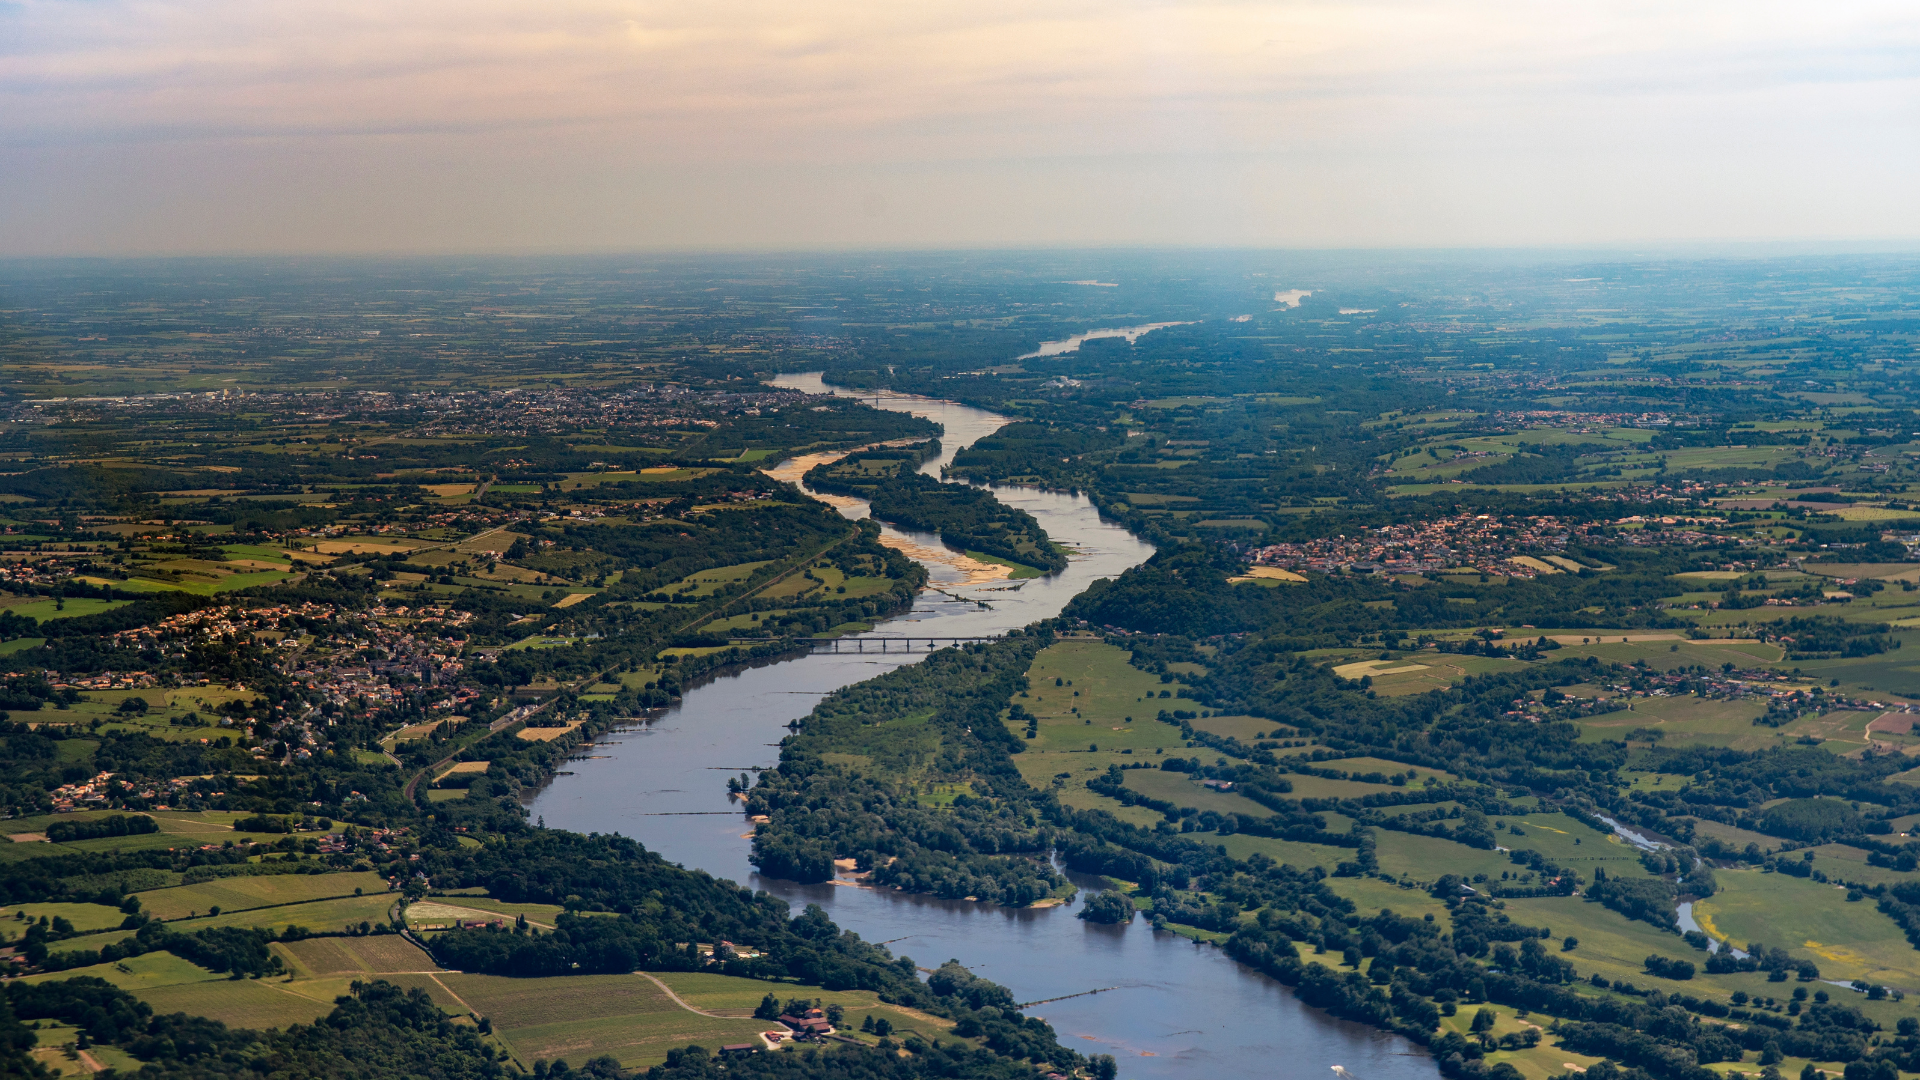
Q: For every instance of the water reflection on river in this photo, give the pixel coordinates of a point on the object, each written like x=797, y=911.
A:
x=1169, y=1009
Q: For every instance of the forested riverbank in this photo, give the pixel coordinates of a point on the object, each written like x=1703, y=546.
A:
x=967, y=518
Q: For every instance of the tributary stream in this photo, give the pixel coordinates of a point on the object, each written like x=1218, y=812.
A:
x=1168, y=1008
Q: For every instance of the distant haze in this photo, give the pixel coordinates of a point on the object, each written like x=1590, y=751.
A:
x=169, y=126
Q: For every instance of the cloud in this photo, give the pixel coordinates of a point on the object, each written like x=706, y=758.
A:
x=1402, y=100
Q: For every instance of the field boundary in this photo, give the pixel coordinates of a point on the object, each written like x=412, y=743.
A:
x=680, y=1001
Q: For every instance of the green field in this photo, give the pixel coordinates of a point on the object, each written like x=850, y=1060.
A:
x=244, y=893
x=171, y=984
x=177, y=829
x=826, y=583
x=145, y=972
x=84, y=917
x=227, y=583
x=317, y=957
x=726, y=994
x=541, y=914
x=1811, y=920
x=1183, y=790
x=707, y=582
x=574, y=1018
x=68, y=608
x=1686, y=722
x=251, y=1003
x=729, y=996
x=1093, y=712
x=1248, y=729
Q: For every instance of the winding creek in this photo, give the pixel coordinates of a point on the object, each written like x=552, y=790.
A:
x=1167, y=1008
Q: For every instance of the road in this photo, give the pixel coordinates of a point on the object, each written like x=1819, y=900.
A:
x=511, y=718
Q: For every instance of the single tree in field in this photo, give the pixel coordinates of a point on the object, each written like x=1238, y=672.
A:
x=1483, y=1022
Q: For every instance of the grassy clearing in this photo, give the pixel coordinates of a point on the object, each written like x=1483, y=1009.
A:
x=145, y=972
x=250, y=1003
x=1686, y=722
x=1738, y=837
x=245, y=893
x=727, y=995
x=1424, y=858
x=324, y=915
x=1182, y=790
x=84, y=917
x=1370, y=895
x=1248, y=729
x=542, y=914
x=354, y=956
x=1844, y=863
x=1667, y=653
x=707, y=582
x=1609, y=943
x=1092, y=712
x=68, y=608
x=171, y=984
x=826, y=583
x=1569, y=843
x=1287, y=852
x=1435, y=671
x=1886, y=673
x=1814, y=921
x=229, y=582
x=57, y=1052
x=1074, y=793
x=1542, y=1060
x=583, y=1016
x=1317, y=787
x=175, y=828
x=1356, y=765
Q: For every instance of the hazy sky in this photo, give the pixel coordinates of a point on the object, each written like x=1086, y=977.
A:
x=148, y=126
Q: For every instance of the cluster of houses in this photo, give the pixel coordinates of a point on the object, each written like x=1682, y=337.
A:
x=111, y=680
x=98, y=793
x=560, y=411
x=1485, y=542
x=227, y=621
x=40, y=571
x=1507, y=545
x=1731, y=685
x=85, y=795
x=1585, y=423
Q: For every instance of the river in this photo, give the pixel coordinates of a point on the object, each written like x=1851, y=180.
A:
x=1169, y=1008
x=1072, y=344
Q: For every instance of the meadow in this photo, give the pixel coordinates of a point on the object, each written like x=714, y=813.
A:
x=584, y=1016
x=727, y=995
x=353, y=956
x=1812, y=920
x=238, y=894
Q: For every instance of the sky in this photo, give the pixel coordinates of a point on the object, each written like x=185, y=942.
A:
x=135, y=127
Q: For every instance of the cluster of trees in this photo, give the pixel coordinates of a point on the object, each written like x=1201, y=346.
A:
x=225, y=949
x=1668, y=968
x=586, y=945
x=966, y=517
x=63, y=832
x=1819, y=636
x=1647, y=899
x=1111, y=906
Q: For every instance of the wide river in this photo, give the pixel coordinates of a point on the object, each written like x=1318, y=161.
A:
x=1169, y=1009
